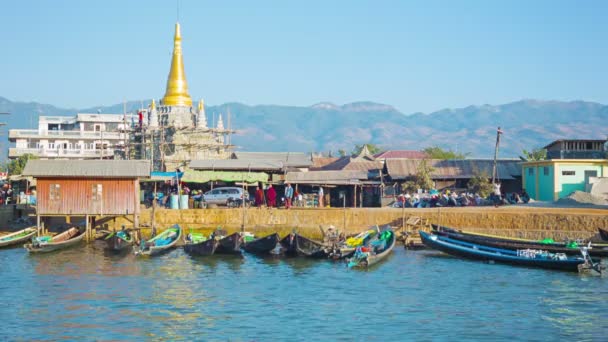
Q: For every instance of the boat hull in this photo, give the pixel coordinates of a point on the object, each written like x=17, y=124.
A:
x=262, y=245
x=513, y=244
x=51, y=246
x=206, y=247
x=489, y=254
x=17, y=238
x=157, y=250
x=230, y=244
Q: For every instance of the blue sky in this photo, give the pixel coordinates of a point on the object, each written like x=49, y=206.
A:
x=414, y=55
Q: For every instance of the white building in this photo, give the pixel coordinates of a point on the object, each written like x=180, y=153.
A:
x=85, y=136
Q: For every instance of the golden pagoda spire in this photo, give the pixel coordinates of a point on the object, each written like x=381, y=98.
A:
x=177, y=86
x=153, y=105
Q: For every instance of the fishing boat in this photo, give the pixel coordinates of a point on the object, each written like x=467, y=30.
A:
x=198, y=244
x=230, y=244
x=346, y=248
x=16, y=238
x=569, y=248
x=120, y=241
x=523, y=257
x=160, y=243
x=262, y=245
x=377, y=249
x=288, y=245
x=603, y=234
x=309, y=248
x=45, y=244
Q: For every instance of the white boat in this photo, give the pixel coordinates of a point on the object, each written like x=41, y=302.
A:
x=45, y=244
x=17, y=237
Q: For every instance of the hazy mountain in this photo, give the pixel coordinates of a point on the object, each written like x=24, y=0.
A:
x=327, y=127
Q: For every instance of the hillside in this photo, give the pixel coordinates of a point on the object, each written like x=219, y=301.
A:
x=327, y=127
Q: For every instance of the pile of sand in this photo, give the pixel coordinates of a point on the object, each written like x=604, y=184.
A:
x=581, y=198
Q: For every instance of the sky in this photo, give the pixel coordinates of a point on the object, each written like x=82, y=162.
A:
x=418, y=56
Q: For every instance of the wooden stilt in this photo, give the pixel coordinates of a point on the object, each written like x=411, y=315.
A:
x=87, y=227
x=38, y=227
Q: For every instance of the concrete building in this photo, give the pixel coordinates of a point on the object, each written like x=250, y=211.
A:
x=84, y=136
x=571, y=165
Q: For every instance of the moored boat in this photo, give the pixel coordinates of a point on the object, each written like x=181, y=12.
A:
x=346, y=248
x=262, y=245
x=45, y=244
x=309, y=248
x=569, y=248
x=160, y=243
x=198, y=244
x=18, y=237
x=603, y=234
x=120, y=241
x=288, y=245
x=524, y=257
x=230, y=244
x=375, y=251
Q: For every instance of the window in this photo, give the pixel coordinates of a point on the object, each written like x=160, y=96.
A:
x=55, y=192
x=97, y=192
x=546, y=171
x=568, y=173
x=530, y=171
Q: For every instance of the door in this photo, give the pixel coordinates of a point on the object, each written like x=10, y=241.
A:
x=589, y=174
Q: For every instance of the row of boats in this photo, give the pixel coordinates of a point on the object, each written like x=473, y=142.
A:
x=362, y=250
x=567, y=256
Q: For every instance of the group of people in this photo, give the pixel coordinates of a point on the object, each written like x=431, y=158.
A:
x=449, y=198
x=270, y=198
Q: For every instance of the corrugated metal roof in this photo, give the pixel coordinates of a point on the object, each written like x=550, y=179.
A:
x=297, y=159
x=401, y=154
x=320, y=162
x=324, y=175
x=88, y=168
x=237, y=164
x=354, y=164
x=454, y=169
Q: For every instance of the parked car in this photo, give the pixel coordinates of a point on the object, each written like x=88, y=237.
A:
x=223, y=196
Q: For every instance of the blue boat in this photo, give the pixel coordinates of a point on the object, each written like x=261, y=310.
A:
x=523, y=257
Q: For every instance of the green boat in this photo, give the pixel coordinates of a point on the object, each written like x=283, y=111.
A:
x=161, y=242
x=17, y=237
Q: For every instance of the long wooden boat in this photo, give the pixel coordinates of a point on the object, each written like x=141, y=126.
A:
x=45, y=244
x=120, y=241
x=230, y=244
x=16, y=238
x=288, y=245
x=603, y=234
x=262, y=245
x=377, y=249
x=596, y=250
x=201, y=247
x=525, y=257
x=309, y=248
x=346, y=248
x=161, y=242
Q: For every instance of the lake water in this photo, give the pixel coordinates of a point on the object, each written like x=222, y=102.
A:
x=82, y=294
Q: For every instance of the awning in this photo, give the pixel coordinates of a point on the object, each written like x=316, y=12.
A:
x=194, y=176
x=156, y=176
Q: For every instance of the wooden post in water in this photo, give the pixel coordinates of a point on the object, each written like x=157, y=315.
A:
x=87, y=227
x=38, y=228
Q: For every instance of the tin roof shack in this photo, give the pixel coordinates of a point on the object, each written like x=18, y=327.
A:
x=455, y=174
x=88, y=188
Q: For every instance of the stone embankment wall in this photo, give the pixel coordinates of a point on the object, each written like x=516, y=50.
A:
x=534, y=223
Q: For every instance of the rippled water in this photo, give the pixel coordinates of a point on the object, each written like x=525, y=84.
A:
x=83, y=294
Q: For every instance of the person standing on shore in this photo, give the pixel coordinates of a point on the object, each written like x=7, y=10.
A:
x=259, y=196
x=321, y=197
x=288, y=195
x=271, y=195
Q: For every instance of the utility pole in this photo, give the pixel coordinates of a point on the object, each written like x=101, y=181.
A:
x=498, y=133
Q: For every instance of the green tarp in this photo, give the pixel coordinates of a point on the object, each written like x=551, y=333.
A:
x=193, y=176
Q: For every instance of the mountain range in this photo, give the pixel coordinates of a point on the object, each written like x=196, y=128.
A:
x=326, y=127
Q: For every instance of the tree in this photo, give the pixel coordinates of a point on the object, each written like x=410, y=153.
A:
x=372, y=148
x=423, y=175
x=16, y=166
x=341, y=153
x=436, y=152
x=480, y=184
x=535, y=154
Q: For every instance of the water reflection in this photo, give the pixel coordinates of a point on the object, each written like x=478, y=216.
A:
x=83, y=294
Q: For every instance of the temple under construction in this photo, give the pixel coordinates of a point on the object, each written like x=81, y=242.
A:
x=173, y=133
